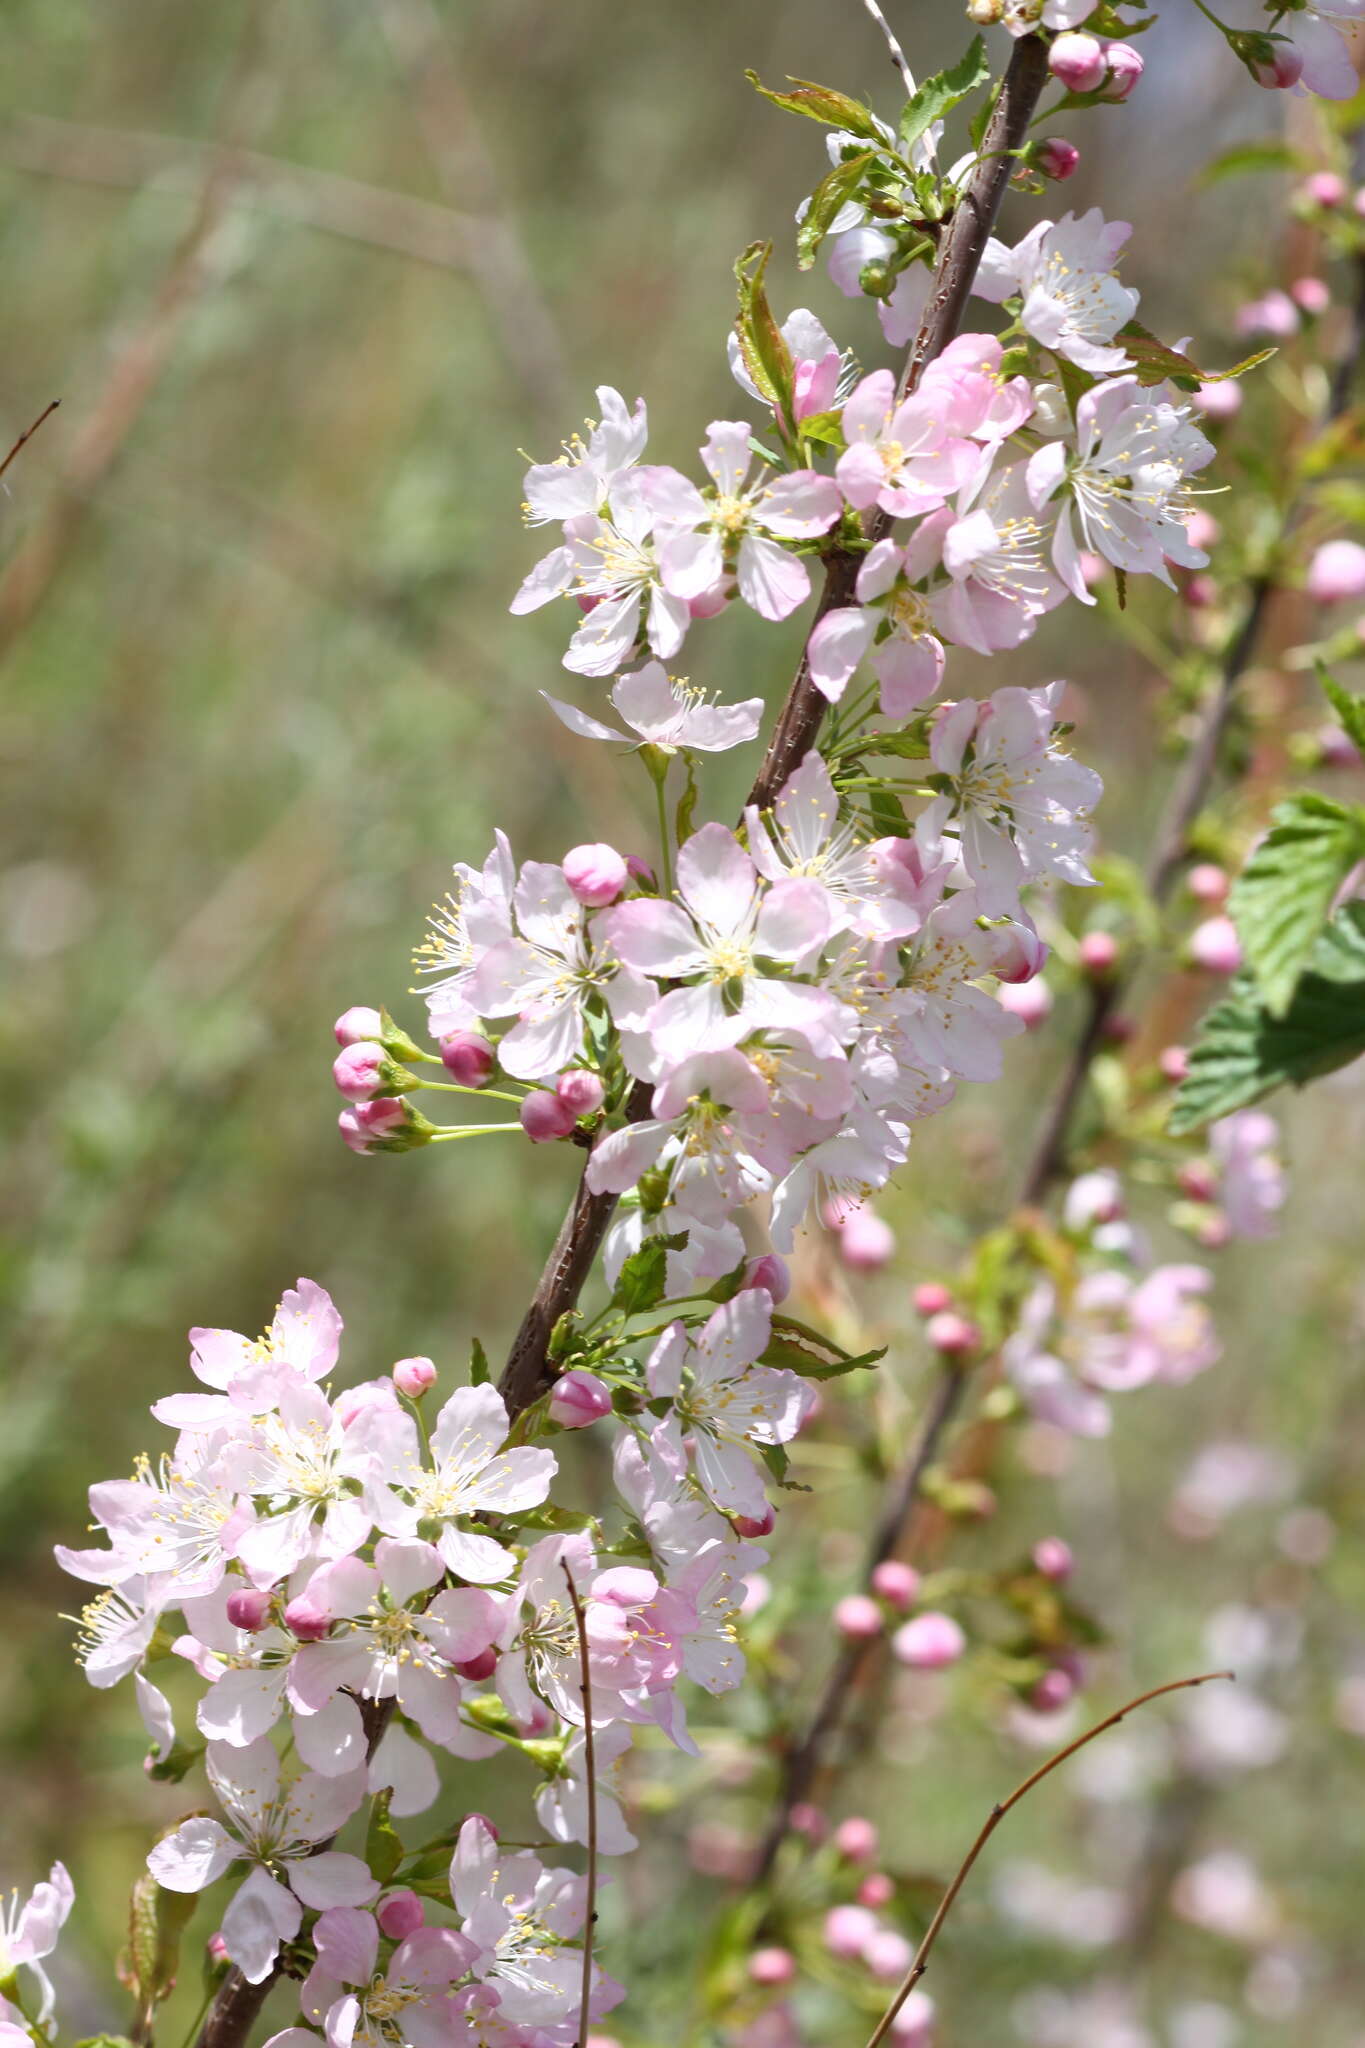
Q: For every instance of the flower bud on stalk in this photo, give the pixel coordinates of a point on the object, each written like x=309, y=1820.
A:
x=580, y=1091
x=1277, y=66
x=769, y=1272
x=578, y=1399
x=355, y=1024
x=895, y=1582
x=400, y=1914
x=544, y=1117
x=930, y=1642
x=468, y=1058
x=596, y=874
x=1057, y=158
x=364, y=1070
x=388, y=1124
x=414, y=1377
x=1078, y=62
x=248, y=1609
x=1126, y=67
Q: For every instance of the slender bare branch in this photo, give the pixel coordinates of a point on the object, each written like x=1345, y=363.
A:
x=993, y=1820
x=898, y=57
x=29, y=432
x=590, y=1771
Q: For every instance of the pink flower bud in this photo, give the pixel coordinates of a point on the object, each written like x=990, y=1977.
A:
x=1199, y=592
x=306, y=1620
x=1029, y=1000
x=1173, y=1063
x=400, y=1914
x=769, y=1272
x=808, y=1820
x=248, y=1609
x=1311, y=294
x=876, y=1890
x=772, y=1966
x=894, y=1582
x=480, y=1667
x=1214, y=946
x=753, y=1528
x=856, y=1839
x=1220, y=401
x=931, y=1297
x=1273, y=313
x=1325, y=188
x=913, y=2024
x=1336, y=571
x=1099, y=955
x=1078, y=62
x=1057, y=158
x=579, y=1398
x=847, y=1931
x=1052, y=1692
x=1052, y=1557
x=468, y=1058
x=414, y=1377
x=353, y=1025
x=1017, y=952
x=580, y=1091
x=858, y=1618
x=928, y=1642
x=544, y=1117
x=866, y=1241
x=887, y=1954
x=364, y=1126
x=596, y=874
x=951, y=1334
x=359, y=1070
x=640, y=870
x=1201, y=529
x=1198, y=1180
x=1207, y=883
x=1125, y=69
x=217, y=1949
x=814, y=384
x=1282, y=69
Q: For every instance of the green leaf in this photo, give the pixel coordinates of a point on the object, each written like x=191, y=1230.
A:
x=1252, y=362
x=1251, y=156
x=823, y=103
x=1283, y=897
x=564, y=1521
x=981, y=119
x=643, y=1276
x=766, y=355
x=1153, y=360
x=384, y=1849
x=1349, y=708
x=826, y=427
x=833, y=190
x=816, y=1357
x=1243, y=1052
x=940, y=94
x=480, y=1372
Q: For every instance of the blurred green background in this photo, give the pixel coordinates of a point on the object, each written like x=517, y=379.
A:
x=306, y=278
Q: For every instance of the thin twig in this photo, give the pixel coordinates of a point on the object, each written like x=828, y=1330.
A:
x=29, y=432
x=993, y=1820
x=590, y=1770
x=898, y=57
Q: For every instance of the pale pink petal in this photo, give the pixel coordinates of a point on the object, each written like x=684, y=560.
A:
x=770, y=579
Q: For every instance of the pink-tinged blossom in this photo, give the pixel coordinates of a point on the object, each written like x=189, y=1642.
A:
x=633, y=1653
x=300, y=1347
x=1122, y=492
x=1072, y=302
x=523, y=1920
x=723, y=1402
x=866, y=1242
x=1019, y=806
x=359, y=2005
x=547, y=974
x=28, y=1935
x=739, y=530
x=1250, y=1178
x=278, y=1831
x=404, y=1768
x=308, y=1472
x=867, y=889
x=700, y=1131
x=1320, y=32
x=1114, y=1335
x=665, y=712
x=900, y=454
x=928, y=1642
x=892, y=622
x=992, y=548
x=180, y=1520
x=562, y=1803
x=725, y=927
x=473, y=916
x=817, y=366
x=469, y=1474
x=611, y=563
x=582, y=478
x=1336, y=571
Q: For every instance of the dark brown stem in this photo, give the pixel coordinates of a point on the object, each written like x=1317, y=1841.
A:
x=798, y=723
x=803, y=1760
x=993, y=1820
x=29, y=432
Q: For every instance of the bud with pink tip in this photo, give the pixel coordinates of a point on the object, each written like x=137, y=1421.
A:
x=1202, y=529
x=1280, y=70
x=876, y=1890
x=1207, y=883
x=847, y=1931
x=481, y=1667
x=856, y=1839
x=858, y=1618
x=306, y=1620
x=1052, y=1557
x=468, y=1058
x=596, y=874
x=1311, y=295
x=414, y=1377
x=388, y=1124
x=772, y=1966
x=753, y=1528
x=931, y=1297
x=1125, y=69
x=544, y=1117
x=1099, y=955
x=1029, y=1000
x=1017, y=952
x=807, y=1820
x=1336, y=571
x=578, y=1399
x=928, y=1642
x=580, y=1091
x=1215, y=946
x=770, y=1273
x=895, y=1582
x=364, y=1070
x=1324, y=188
x=353, y=1025
x=951, y=1334
x=217, y=1950
x=1220, y=401
x=1057, y=158
x=887, y=1954
x=400, y=1914
x=1173, y=1064
x=866, y=1240
x=1052, y=1692
x=1198, y=1180
x=1078, y=62
x=249, y=1608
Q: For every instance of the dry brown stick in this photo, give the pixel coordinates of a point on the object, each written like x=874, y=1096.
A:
x=993, y=1820
x=29, y=432
x=590, y=1769
x=798, y=723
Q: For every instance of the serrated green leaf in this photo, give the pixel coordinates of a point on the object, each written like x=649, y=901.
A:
x=384, y=1849
x=822, y=103
x=480, y=1371
x=1251, y=362
x=1251, y=156
x=794, y=1356
x=1350, y=709
x=833, y=191
x=1283, y=897
x=1154, y=360
x=1243, y=1052
x=762, y=344
x=941, y=93
x=644, y=1275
